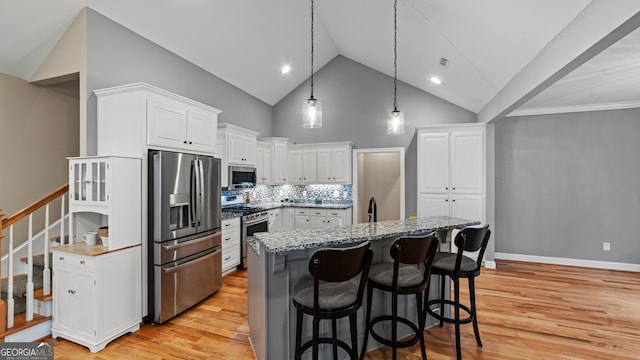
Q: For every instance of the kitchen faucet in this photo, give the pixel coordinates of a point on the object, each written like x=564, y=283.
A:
x=373, y=208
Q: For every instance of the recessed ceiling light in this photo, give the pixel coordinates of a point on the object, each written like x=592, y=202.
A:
x=436, y=80
x=285, y=69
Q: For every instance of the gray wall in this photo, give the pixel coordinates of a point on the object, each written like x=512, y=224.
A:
x=565, y=183
x=355, y=102
x=118, y=56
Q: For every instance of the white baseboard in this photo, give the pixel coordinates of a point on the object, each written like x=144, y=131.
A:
x=569, y=262
x=489, y=264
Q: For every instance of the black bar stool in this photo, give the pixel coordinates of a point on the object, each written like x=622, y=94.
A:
x=457, y=266
x=408, y=274
x=335, y=291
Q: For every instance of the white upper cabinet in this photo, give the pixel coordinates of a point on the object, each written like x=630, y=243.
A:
x=132, y=118
x=263, y=164
x=174, y=127
x=241, y=145
x=327, y=163
x=278, y=149
x=451, y=171
x=334, y=164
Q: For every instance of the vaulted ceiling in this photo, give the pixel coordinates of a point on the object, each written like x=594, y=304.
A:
x=500, y=53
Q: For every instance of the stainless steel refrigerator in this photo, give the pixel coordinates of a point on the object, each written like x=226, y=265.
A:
x=185, y=258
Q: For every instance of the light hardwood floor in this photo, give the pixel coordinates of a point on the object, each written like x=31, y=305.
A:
x=525, y=311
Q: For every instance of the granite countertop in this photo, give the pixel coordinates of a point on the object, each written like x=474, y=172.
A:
x=276, y=205
x=287, y=241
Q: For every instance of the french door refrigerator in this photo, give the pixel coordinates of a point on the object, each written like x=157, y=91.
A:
x=185, y=258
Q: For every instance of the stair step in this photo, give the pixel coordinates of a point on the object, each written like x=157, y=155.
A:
x=39, y=295
x=20, y=323
x=38, y=260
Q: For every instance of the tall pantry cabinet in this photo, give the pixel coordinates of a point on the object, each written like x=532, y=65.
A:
x=452, y=171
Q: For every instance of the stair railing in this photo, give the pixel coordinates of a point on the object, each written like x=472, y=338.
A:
x=9, y=222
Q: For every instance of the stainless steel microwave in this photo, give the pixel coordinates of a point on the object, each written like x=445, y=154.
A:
x=241, y=177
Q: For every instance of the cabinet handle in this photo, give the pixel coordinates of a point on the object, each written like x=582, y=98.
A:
x=453, y=200
x=190, y=142
x=185, y=141
x=81, y=262
x=453, y=188
x=227, y=258
x=61, y=258
x=446, y=200
x=446, y=188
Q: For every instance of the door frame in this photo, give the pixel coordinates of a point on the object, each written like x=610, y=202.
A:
x=354, y=189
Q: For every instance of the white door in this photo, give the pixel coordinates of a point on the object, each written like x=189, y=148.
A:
x=260, y=176
x=467, y=162
x=235, y=151
x=302, y=222
x=434, y=205
x=202, y=130
x=85, y=304
x=309, y=174
x=63, y=313
x=434, y=169
x=295, y=166
x=280, y=164
x=341, y=165
x=249, y=150
x=323, y=159
x=467, y=206
x=167, y=125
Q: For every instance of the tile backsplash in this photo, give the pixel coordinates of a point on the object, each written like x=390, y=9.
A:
x=329, y=193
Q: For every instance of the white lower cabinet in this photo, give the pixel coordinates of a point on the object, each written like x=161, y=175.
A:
x=288, y=219
x=96, y=294
x=230, y=243
x=310, y=218
x=275, y=220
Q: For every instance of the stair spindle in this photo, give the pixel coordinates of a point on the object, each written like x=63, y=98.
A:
x=10, y=300
x=29, y=315
x=46, y=276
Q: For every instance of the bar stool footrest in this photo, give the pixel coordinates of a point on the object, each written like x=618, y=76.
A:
x=388, y=342
x=449, y=320
x=325, y=340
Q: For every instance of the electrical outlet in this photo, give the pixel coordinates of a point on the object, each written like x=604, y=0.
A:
x=606, y=246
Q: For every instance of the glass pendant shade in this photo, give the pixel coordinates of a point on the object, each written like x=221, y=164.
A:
x=395, y=123
x=312, y=113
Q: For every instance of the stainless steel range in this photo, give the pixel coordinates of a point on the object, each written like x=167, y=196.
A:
x=253, y=219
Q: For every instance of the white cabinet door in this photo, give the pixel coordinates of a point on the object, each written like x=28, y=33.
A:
x=295, y=166
x=467, y=157
x=263, y=164
x=434, y=163
x=202, y=130
x=324, y=166
x=62, y=287
x=288, y=219
x=468, y=207
x=302, y=222
x=85, y=294
x=167, y=125
x=249, y=148
x=336, y=217
x=434, y=205
x=317, y=218
x=341, y=165
x=235, y=150
x=275, y=220
x=280, y=164
x=309, y=169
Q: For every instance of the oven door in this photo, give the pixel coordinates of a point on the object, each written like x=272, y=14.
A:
x=248, y=229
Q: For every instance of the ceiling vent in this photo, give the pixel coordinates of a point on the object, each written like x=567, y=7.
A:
x=444, y=62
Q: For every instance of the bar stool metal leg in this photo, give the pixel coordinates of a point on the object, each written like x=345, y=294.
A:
x=367, y=322
x=299, y=316
x=472, y=292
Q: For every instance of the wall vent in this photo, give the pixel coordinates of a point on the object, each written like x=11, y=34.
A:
x=444, y=62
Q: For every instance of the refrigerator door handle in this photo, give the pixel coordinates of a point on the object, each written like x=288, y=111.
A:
x=200, y=192
x=193, y=188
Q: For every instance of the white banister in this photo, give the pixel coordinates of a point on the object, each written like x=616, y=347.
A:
x=46, y=276
x=29, y=315
x=10, y=301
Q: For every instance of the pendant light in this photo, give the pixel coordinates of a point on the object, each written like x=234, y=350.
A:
x=395, y=121
x=312, y=108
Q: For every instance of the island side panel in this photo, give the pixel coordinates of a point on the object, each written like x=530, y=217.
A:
x=256, y=298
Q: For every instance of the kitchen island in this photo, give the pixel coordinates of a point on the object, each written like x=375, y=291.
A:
x=279, y=260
